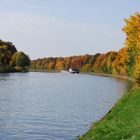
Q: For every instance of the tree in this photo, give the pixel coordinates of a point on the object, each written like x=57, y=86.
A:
x=119, y=64
x=20, y=59
x=3, y=52
x=137, y=70
x=132, y=30
x=7, y=49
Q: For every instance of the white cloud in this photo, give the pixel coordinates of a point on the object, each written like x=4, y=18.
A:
x=41, y=36
x=33, y=7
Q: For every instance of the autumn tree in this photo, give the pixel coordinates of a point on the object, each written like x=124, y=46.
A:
x=7, y=49
x=137, y=70
x=132, y=30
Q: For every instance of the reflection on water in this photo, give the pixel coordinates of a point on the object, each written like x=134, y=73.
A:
x=54, y=106
x=4, y=76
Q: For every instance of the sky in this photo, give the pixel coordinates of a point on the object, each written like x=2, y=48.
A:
x=53, y=28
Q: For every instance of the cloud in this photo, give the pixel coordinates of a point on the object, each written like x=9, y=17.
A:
x=41, y=36
x=33, y=7
x=9, y=1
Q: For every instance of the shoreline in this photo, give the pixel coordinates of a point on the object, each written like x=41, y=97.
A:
x=88, y=73
x=109, y=75
x=106, y=115
x=47, y=71
x=94, y=134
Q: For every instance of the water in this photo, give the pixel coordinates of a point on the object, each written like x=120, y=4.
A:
x=54, y=106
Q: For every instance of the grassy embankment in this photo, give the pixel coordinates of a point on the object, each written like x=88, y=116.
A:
x=121, y=123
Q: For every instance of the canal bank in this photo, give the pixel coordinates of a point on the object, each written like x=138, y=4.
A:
x=122, y=122
x=109, y=75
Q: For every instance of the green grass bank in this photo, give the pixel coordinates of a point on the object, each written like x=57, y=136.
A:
x=121, y=123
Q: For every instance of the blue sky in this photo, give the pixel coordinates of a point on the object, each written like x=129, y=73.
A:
x=44, y=28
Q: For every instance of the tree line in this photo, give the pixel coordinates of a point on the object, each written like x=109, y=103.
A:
x=11, y=60
x=124, y=62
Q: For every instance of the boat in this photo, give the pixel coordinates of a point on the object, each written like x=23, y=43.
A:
x=74, y=71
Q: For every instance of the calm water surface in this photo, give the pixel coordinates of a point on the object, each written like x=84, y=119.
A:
x=54, y=106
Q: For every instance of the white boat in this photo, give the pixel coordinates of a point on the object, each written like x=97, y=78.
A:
x=74, y=70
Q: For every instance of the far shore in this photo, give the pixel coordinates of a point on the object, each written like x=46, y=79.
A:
x=88, y=73
x=109, y=75
x=40, y=70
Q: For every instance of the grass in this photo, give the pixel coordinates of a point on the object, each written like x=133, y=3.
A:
x=121, y=123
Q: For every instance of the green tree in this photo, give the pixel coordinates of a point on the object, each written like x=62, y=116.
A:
x=20, y=60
